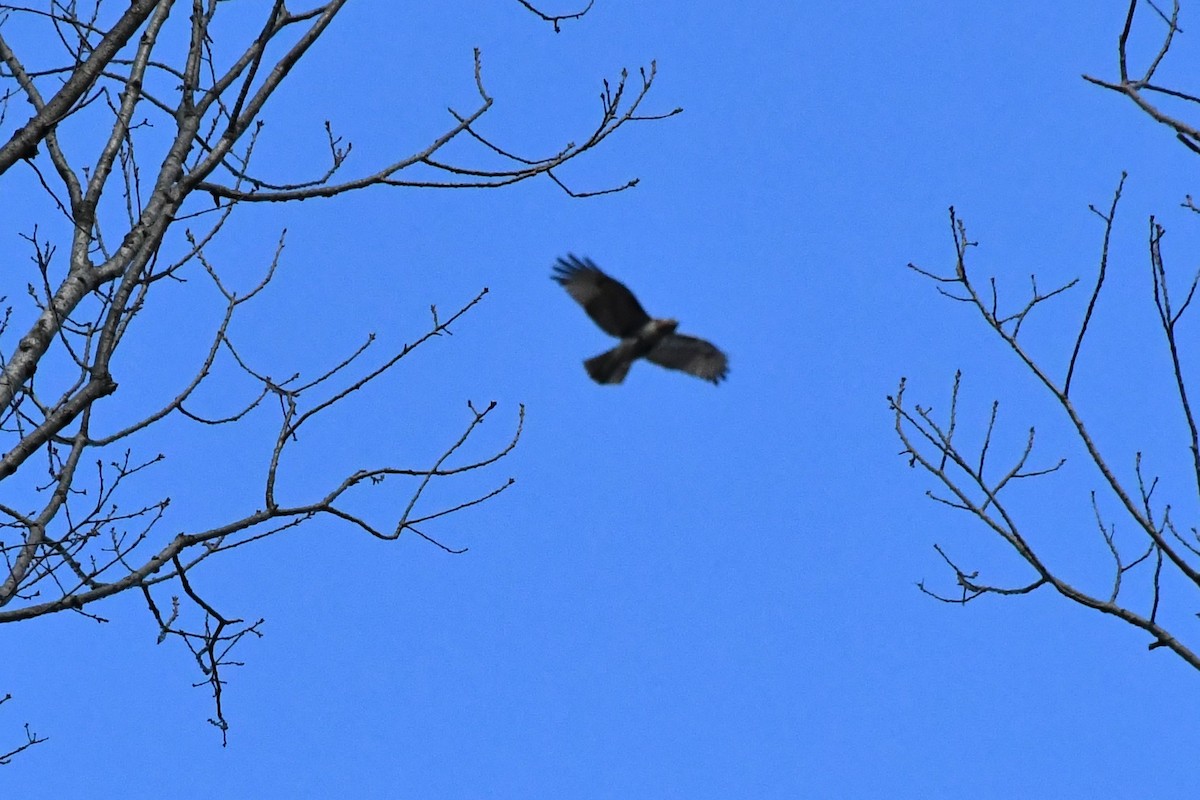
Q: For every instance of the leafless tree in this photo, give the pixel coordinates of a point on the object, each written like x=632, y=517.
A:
x=1153, y=560
x=137, y=122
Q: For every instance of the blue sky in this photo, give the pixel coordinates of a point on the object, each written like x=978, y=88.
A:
x=690, y=591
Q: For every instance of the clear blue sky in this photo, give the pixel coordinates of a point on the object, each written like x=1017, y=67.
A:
x=691, y=591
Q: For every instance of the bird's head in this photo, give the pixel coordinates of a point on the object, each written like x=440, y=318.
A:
x=666, y=326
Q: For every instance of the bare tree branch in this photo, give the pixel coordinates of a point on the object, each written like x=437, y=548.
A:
x=556, y=19
x=162, y=127
x=933, y=446
x=31, y=739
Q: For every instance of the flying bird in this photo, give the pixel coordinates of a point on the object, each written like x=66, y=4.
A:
x=618, y=313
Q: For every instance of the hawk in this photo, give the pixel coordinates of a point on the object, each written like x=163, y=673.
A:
x=618, y=313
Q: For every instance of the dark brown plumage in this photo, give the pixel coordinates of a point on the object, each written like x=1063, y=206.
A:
x=614, y=308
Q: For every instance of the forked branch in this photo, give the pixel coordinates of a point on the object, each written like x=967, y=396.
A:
x=972, y=487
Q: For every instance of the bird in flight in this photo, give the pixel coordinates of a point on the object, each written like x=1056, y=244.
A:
x=618, y=313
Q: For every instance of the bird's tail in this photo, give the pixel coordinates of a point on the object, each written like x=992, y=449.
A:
x=609, y=367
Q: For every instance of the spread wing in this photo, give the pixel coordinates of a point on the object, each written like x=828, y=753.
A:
x=608, y=302
x=691, y=355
